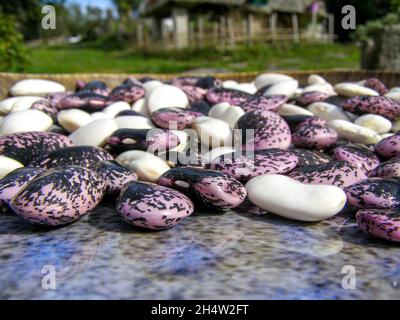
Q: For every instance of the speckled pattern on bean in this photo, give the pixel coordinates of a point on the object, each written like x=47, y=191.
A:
x=47, y=107
x=96, y=86
x=383, y=106
x=313, y=121
x=59, y=196
x=294, y=121
x=358, y=155
x=261, y=103
x=244, y=167
x=194, y=93
x=12, y=183
x=115, y=176
x=374, y=193
x=26, y=146
x=168, y=117
x=128, y=92
x=84, y=156
x=377, y=85
x=209, y=188
x=315, y=137
x=387, y=169
x=380, y=223
x=310, y=157
x=231, y=96
x=152, y=140
x=88, y=101
x=310, y=97
x=151, y=206
x=270, y=130
x=337, y=173
x=389, y=147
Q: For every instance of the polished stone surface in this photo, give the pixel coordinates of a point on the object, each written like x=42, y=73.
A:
x=233, y=255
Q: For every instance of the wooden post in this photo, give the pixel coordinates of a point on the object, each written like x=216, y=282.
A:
x=181, y=27
x=155, y=28
x=331, y=27
x=215, y=33
x=250, y=29
x=222, y=23
x=273, y=21
x=164, y=34
x=231, y=32
x=295, y=24
x=200, y=27
x=139, y=34
x=191, y=35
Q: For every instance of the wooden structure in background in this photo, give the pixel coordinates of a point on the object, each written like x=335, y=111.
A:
x=199, y=23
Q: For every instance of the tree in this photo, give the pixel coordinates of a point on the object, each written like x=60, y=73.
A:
x=13, y=54
x=125, y=9
x=28, y=13
x=365, y=10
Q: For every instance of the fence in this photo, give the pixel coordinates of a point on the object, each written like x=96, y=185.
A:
x=230, y=31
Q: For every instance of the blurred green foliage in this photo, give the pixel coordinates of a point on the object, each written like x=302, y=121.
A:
x=375, y=27
x=13, y=54
x=365, y=10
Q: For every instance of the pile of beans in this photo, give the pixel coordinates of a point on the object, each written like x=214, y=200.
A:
x=160, y=150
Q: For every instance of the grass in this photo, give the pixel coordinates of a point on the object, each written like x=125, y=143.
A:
x=90, y=58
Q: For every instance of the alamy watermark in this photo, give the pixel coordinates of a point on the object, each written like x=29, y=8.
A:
x=349, y=280
x=49, y=21
x=349, y=21
x=49, y=278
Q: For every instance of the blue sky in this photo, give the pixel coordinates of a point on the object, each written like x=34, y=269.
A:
x=98, y=3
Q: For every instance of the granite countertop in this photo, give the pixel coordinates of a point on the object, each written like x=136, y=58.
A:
x=234, y=255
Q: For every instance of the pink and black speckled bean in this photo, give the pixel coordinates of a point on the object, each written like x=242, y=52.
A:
x=208, y=82
x=182, y=118
x=313, y=121
x=194, y=93
x=387, y=169
x=234, y=97
x=16, y=180
x=209, y=188
x=83, y=156
x=380, y=223
x=310, y=157
x=337, y=173
x=261, y=103
x=296, y=120
x=150, y=206
x=130, y=113
x=56, y=97
x=128, y=92
x=185, y=81
x=202, y=107
x=153, y=140
x=377, y=85
x=374, y=193
x=47, y=107
x=96, y=86
x=270, y=131
x=389, y=147
x=114, y=175
x=88, y=101
x=310, y=97
x=315, y=137
x=358, y=155
x=383, y=106
x=25, y=146
x=59, y=196
x=244, y=167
